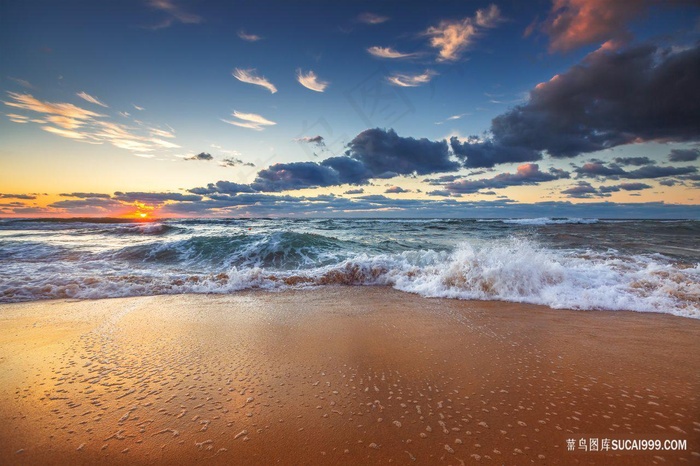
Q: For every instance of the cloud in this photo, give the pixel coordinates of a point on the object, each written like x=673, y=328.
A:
x=526, y=174
x=641, y=94
x=223, y=187
x=249, y=120
x=581, y=190
x=140, y=109
x=310, y=81
x=382, y=151
x=396, y=190
x=636, y=161
x=355, y=191
x=371, y=154
x=201, y=156
x=388, y=52
x=439, y=192
x=625, y=187
x=411, y=80
x=86, y=195
x=371, y=18
x=596, y=168
x=452, y=118
x=154, y=198
x=28, y=102
x=475, y=153
x=248, y=37
x=91, y=99
x=174, y=14
x=295, y=175
x=92, y=206
x=249, y=76
x=574, y=23
x=453, y=37
x=584, y=190
x=315, y=140
x=684, y=155
x=64, y=132
x=235, y=162
x=21, y=82
x=18, y=196
x=73, y=122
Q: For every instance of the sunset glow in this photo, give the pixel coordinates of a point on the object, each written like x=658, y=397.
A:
x=211, y=110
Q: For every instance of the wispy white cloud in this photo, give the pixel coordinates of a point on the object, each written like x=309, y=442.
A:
x=64, y=132
x=162, y=133
x=249, y=37
x=310, y=81
x=73, y=122
x=21, y=82
x=408, y=80
x=452, y=37
x=174, y=12
x=93, y=100
x=371, y=18
x=249, y=120
x=452, y=118
x=388, y=52
x=249, y=76
x=140, y=109
x=15, y=118
x=28, y=102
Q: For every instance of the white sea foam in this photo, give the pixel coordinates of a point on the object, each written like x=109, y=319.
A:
x=549, y=221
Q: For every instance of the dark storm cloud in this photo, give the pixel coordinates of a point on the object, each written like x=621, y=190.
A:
x=86, y=195
x=27, y=197
x=234, y=162
x=89, y=204
x=644, y=93
x=486, y=154
x=383, y=151
x=316, y=140
x=624, y=187
x=223, y=187
x=584, y=190
x=260, y=204
x=636, y=161
x=295, y=175
x=154, y=198
x=200, y=156
x=396, y=190
x=349, y=170
x=439, y=192
x=581, y=190
x=596, y=168
x=526, y=174
x=684, y=155
x=355, y=191
x=374, y=153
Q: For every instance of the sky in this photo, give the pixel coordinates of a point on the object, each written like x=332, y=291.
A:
x=204, y=108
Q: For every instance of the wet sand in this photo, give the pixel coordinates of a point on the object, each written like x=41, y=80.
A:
x=346, y=375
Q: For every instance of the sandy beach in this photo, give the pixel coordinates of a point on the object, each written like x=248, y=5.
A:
x=340, y=375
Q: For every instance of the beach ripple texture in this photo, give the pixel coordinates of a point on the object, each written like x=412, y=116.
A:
x=582, y=264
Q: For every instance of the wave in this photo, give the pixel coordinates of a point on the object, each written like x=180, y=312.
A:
x=516, y=270
x=549, y=221
x=279, y=250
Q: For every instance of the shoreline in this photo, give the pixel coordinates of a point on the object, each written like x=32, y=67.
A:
x=344, y=375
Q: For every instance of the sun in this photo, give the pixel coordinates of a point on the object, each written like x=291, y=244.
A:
x=143, y=215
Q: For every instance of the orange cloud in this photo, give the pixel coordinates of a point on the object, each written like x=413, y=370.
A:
x=574, y=23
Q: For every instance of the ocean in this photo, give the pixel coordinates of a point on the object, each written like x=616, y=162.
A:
x=581, y=264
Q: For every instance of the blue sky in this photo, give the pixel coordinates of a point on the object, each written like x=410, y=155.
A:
x=142, y=97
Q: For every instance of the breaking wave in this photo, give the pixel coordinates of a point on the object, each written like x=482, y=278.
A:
x=512, y=268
